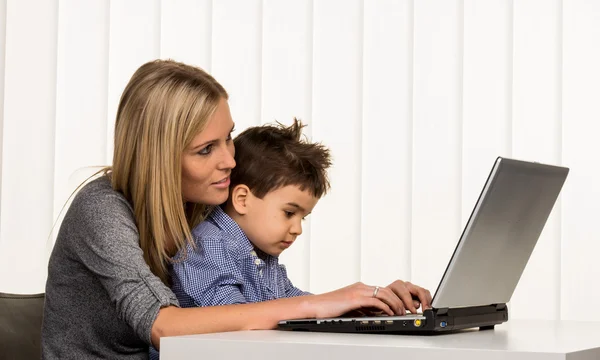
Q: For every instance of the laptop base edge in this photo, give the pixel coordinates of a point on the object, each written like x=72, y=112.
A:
x=436, y=321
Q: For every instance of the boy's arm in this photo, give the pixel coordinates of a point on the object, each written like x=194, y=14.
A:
x=290, y=289
x=208, y=275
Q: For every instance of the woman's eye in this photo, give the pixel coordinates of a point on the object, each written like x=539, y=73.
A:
x=206, y=150
x=289, y=214
x=230, y=137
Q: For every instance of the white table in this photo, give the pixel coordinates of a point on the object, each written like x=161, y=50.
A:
x=516, y=339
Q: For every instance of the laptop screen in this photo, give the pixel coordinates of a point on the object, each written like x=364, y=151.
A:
x=500, y=234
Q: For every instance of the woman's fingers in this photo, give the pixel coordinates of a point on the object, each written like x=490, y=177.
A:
x=393, y=301
x=412, y=296
x=382, y=297
x=416, y=303
x=350, y=298
x=423, y=295
x=401, y=290
x=376, y=303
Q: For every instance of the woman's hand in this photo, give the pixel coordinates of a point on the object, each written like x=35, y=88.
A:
x=353, y=297
x=390, y=300
x=411, y=296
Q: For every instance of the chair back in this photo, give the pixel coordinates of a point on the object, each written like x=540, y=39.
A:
x=21, y=326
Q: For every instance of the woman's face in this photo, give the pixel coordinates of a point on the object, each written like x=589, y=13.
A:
x=208, y=160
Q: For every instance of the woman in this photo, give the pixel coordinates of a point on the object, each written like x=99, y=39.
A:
x=107, y=291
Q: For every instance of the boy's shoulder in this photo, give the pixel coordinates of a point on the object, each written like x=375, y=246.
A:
x=207, y=229
x=212, y=237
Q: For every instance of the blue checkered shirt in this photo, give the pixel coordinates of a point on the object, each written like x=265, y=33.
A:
x=225, y=268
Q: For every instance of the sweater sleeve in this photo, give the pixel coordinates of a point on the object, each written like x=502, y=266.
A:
x=106, y=242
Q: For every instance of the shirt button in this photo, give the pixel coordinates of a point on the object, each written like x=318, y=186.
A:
x=253, y=253
x=257, y=261
x=260, y=273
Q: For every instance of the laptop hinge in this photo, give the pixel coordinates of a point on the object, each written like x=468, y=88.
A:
x=442, y=311
x=499, y=307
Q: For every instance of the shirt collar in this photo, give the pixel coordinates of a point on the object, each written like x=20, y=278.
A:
x=240, y=242
x=223, y=221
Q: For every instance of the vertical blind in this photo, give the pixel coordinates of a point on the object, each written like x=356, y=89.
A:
x=414, y=98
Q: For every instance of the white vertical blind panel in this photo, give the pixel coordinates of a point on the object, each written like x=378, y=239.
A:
x=287, y=61
x=286, y=93
x=449, y=113
x=386, y=142
x=436, y=137
x=581, y=193
x=2, y=56
x=28, y=144
x=81, y=101
x=536, y=136
x=134, y=40
x=486, y=94
x=236, y=57
x=186, y=31
x=337, y=109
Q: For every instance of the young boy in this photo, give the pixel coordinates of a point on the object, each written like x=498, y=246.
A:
x=277, y=181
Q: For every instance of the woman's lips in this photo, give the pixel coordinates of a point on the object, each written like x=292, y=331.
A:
x=222, y=184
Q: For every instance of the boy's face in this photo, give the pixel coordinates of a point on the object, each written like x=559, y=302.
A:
x=273, y=222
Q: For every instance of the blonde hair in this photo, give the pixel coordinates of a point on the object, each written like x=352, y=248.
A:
x=163, y=107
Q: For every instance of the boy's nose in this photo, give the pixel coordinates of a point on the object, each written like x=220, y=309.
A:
x=296, y=228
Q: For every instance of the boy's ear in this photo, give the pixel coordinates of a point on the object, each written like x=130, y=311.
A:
x=239, y=198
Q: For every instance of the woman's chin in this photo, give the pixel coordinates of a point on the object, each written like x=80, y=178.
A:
x=217, y=200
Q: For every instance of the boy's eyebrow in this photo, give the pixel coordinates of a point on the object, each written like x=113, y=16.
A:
x=296, y=206
x=211, y=141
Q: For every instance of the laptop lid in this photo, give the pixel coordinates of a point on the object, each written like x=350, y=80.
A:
x=500, y=234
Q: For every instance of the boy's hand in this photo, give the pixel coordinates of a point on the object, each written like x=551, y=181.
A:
x=411, y=295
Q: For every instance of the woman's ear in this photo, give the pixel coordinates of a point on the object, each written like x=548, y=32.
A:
x=239, y=198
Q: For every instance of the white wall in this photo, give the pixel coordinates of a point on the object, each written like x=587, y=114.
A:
x=415, y=99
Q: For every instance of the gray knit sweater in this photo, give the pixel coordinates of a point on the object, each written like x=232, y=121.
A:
x=101, y=297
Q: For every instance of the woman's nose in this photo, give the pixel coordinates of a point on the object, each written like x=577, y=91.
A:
x=228, y=160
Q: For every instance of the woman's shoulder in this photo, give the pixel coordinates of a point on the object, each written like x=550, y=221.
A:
x=101, y=190
x=98, y=187
x=98, y=199
x=98, y=217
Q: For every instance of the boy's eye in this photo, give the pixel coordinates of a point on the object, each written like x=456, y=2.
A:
x=288, y=214
x=206, y=150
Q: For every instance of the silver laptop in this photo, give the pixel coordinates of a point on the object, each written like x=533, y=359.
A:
x=488, y=261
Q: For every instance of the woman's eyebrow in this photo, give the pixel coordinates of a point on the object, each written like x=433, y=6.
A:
x=213, y=140
x=203, y=144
